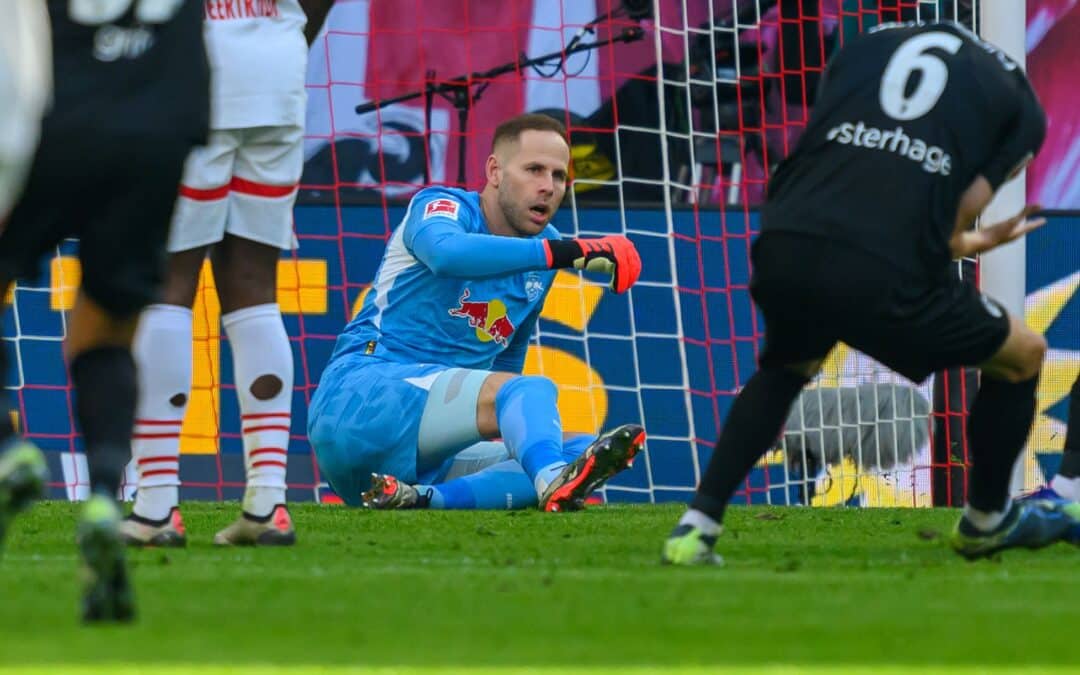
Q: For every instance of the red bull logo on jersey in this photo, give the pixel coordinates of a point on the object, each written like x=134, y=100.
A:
x=487, y=317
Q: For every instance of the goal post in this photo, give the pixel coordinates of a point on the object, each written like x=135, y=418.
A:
x=676, y=123
x=1003, y=271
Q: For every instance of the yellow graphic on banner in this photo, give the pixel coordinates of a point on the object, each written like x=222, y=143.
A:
x=1060, y=367
x=199, y=435
x=844, y=481
x=302, y=288
x=1059, y=371
x=65, y=274
x=583, y=400
x=571, y=301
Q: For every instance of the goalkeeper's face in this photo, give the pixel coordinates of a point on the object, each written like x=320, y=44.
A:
x=531, y=176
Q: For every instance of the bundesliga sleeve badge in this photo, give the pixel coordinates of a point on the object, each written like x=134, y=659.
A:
x=442, y=207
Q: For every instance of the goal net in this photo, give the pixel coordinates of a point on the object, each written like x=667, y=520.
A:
x=678, y=110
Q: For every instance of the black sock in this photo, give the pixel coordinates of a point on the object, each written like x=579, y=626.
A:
x=999, y=425
x=752, y=426
x=1070, y=461
x=104, y=385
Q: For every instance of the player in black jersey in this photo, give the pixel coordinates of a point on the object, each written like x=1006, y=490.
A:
x=25, y=88
x=915, y=128
x=131, y=99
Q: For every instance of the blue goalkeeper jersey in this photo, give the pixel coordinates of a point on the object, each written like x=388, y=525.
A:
x=449, y=292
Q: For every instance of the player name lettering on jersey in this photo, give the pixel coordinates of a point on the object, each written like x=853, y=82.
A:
x=442, y=207
x=112, y=43
x=222, y=10
x=933, y=159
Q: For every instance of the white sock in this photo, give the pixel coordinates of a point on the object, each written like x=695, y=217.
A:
x=260, y=349
x=546, y=475
x=986, y=520
x=702, y=521
x=1069, y=488
x=162, y=351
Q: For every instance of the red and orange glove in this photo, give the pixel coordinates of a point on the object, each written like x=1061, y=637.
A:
x=614, y=255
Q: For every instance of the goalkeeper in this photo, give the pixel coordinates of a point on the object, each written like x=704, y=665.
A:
x=916, y=126
x=431, y=365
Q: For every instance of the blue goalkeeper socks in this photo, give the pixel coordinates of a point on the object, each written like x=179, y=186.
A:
x=500, y=486
x=575, y=447
x=530, y=426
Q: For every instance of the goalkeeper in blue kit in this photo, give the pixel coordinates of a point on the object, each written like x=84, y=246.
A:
x=429, y=371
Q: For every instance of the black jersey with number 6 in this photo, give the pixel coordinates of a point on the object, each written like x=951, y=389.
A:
x=129, y=69
x=907, y=117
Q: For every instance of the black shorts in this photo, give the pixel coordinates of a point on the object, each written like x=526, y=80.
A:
x=815, y=292
x=116, y=196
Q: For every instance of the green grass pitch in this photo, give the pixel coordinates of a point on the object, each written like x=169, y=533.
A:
x=803, y=590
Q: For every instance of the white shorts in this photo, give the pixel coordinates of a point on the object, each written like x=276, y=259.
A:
x=25, y=87
x=242, y=182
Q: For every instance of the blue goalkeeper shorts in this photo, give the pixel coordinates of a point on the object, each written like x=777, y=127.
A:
x=368, y=416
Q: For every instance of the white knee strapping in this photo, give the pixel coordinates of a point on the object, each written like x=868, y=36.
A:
x=448, y=424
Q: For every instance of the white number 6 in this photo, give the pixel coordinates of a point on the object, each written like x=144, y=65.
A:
x=909, y=57
x=99, y=12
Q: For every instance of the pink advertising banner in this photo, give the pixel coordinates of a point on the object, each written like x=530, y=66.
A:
x=377, y=50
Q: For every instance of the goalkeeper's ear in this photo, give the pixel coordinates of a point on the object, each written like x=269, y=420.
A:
x=493, y=170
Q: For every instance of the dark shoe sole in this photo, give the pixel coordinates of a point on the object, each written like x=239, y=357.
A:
x=275, y=538
x=163, y=540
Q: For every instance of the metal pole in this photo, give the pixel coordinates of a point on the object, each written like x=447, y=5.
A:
x=1002, y=272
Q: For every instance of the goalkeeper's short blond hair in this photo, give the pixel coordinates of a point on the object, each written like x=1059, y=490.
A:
x=510, y=130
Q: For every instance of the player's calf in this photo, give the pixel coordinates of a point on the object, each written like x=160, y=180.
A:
x=606, y=456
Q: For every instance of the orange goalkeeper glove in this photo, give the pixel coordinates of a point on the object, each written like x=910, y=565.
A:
x=614, y=255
